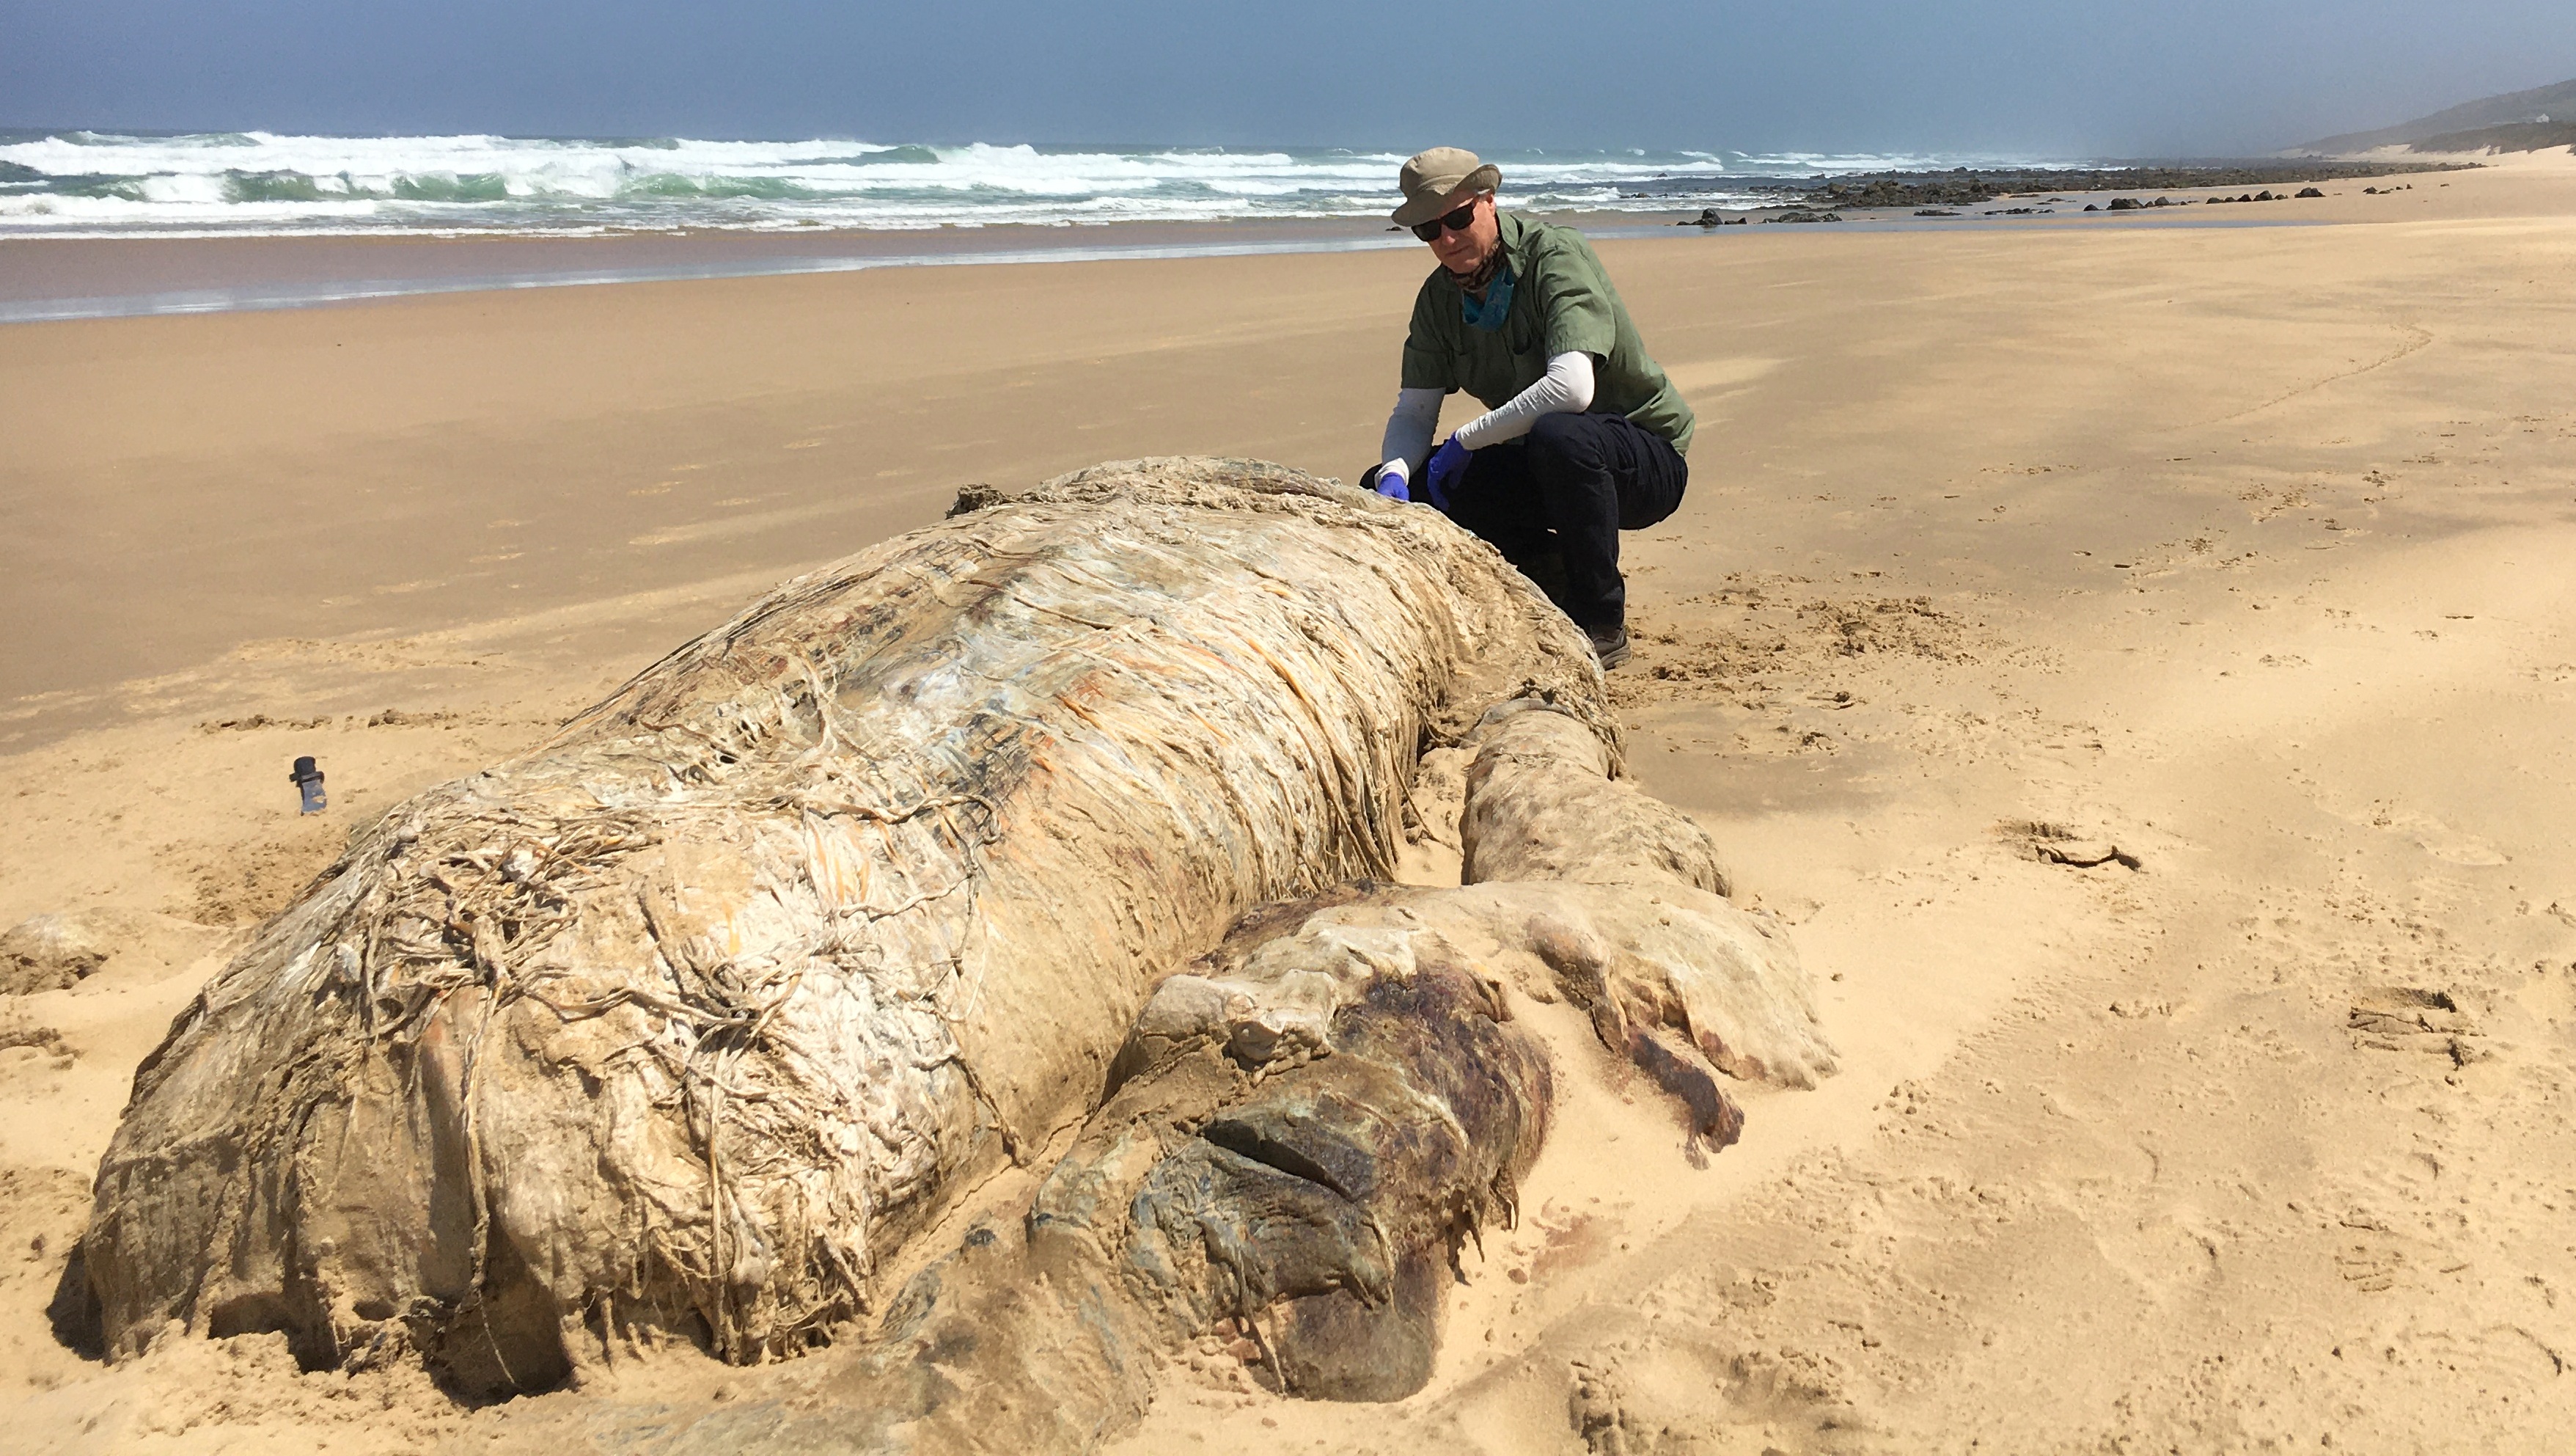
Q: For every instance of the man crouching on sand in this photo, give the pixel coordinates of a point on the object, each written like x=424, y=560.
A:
x=1583, y=435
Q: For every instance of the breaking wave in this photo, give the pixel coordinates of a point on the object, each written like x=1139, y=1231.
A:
x=97, y=183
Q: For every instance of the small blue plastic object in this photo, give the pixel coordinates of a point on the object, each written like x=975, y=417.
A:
x=1448, y=465
x=308, y=778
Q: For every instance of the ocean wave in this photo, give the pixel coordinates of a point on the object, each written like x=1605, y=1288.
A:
x=23, y=214
x=263, y=182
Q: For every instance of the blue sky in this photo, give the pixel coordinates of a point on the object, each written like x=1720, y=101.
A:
x=2187, y=77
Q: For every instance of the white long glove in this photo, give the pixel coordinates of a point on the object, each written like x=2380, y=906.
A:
x=1566, y=387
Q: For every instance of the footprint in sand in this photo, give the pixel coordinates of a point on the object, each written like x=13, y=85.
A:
x=2413, y=1019
x=2440, y=840
x=2443, y=842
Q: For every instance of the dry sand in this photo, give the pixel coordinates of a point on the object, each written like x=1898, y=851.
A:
x=2239, y=549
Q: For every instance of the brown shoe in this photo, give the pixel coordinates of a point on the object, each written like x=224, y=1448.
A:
x=1609, y=644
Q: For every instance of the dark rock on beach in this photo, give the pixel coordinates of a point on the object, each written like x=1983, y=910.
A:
x=1926, y=192
x=1801, y=214
x=1962, y=187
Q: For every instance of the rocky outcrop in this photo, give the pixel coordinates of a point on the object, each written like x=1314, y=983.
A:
x=1963, y=188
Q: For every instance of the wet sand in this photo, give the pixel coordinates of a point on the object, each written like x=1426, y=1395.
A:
x=2237, y=549
x=43, y=279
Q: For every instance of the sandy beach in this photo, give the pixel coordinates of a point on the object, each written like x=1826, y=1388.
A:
x=2226, y=558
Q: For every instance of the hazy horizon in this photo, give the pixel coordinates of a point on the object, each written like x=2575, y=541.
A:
x=2004, y=78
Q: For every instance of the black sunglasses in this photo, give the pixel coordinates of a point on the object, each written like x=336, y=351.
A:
x=1455, y=222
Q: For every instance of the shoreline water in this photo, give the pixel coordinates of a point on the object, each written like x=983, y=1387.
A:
x=50, y=280
x=658, y=226
x=47, y=280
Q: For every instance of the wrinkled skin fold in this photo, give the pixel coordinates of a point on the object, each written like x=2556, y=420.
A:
x=685, y=1023
x=1305, y=1126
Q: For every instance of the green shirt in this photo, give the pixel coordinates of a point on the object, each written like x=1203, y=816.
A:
x=1562, y=303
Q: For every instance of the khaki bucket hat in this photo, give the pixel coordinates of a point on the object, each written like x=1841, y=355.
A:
x=1431, y=178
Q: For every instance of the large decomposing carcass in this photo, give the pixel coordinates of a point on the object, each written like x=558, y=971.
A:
x=1065, y=829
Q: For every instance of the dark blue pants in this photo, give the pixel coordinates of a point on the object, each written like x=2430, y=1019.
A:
x=1567, y=489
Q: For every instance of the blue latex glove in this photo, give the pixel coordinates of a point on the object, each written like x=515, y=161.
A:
x=1390, y=481
x=1448, y=466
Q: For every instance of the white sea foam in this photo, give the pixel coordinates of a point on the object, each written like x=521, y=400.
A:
x=90, y=183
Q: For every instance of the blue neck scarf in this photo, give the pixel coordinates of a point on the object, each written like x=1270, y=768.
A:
x=1489, y=314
